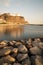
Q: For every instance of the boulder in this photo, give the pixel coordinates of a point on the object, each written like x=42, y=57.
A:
x=22, y=49
x=16, y=64
x=21, y=57
x=35, y=51
x=5, y=51
x=8, y=59
x=26, y=62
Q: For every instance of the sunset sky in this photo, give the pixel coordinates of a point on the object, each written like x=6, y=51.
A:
x=32, y=10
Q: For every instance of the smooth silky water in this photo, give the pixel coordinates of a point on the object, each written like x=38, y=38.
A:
x=18, y=32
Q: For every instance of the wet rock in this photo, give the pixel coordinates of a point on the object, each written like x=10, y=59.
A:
x=29, y=40
x=15, y=52
x=1, y=61
x=8, y=47
x=26, y=62
x=35, y=51
x=36, y=42
x=21, y=52
x=3, y=44
x=8, y=59
x=23, y=42
x=18, y=44
x=38, y=60
x=29, y=45
x=5, y=51
x=22, y=49
x=11, y=43
x=21, y=57
x=41, y=45
x=13, y=55
x=33, y=60
x=16, y=64
x=14, y=42
x=5, y=64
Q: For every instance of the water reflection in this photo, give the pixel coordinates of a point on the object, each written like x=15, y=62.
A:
x=20, y=31
x=17, y=31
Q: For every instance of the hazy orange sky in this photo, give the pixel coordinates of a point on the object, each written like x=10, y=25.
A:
x=32, y=10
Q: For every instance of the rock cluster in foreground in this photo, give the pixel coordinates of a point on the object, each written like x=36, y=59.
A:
x=22, y=52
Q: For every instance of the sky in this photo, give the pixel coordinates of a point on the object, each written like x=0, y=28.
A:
x=31, y=10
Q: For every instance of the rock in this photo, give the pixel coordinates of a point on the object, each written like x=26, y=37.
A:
x=26, y=62
x=22, y=49
x=41, y=45
x=29, y=45
x=36, y=42
x=3, y=44
x=33, y=60
x=5, y=64
x=1, y=61
x=15, y=50
x=21, y=52
x=8, y=59
x=5, y=51
x=13, y=55
x=29, y=40
x=18, y=44
x=21, y=57
x=35, y=51
x=13, y=19
x=16, y=64
x=12, y=43
x=9, y=47
x=23, y=42
x=38, y=60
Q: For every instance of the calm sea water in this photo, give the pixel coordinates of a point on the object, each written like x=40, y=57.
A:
x=23, y=32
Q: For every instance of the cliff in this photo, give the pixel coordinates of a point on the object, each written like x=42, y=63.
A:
x=7, y=18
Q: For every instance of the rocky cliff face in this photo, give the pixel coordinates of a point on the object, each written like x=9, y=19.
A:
x=13, y=19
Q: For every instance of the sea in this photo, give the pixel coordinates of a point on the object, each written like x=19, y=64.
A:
x=20, y=32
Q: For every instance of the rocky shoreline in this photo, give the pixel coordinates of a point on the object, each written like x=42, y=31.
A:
x=21, y=52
